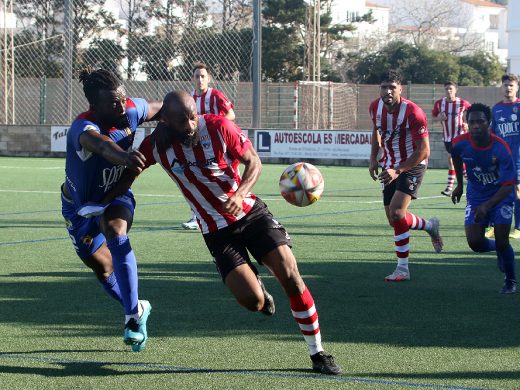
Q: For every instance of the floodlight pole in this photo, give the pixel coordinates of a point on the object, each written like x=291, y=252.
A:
x=257, y=61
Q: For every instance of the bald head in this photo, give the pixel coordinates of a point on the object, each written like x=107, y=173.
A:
x=179, y=117
x=177, y=104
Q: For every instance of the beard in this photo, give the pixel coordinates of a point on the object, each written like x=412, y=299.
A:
x=122, y=122
x=191, y=140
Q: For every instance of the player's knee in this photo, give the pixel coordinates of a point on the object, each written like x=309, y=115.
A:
x=251, y=302
x=476, y=245
x=396, y=215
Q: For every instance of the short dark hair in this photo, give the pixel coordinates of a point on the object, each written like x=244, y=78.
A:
x=391, y=75
x=510, y=77
x=479, y=107
x=200, y=65
x=450, y=83
x=96, y=80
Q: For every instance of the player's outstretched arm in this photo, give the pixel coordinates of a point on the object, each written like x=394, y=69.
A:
x=154, y=110
x=110, y=151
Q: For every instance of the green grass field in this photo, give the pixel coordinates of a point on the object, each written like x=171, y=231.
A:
x=447, y=328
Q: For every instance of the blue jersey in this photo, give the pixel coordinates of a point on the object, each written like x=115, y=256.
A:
x=488, y=168
x=505, y=122
x=88, y=176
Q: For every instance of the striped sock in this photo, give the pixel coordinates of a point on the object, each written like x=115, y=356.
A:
x=417, y=223
x=306, y=315
x=402, y=240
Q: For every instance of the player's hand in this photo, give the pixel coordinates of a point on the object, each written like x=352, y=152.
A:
x=135, y=161
x=456, y=194
x=443, y=116
x=373, y=170
x=233, y=205
x=388, y=176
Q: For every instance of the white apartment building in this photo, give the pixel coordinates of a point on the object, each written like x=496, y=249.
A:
x=467, y=24
x=513, y=29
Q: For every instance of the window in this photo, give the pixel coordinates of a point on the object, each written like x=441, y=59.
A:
x=493, y=22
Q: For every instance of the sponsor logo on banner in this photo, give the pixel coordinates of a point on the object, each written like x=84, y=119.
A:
x=348, y=145
x=263, y=141
x=59, y=138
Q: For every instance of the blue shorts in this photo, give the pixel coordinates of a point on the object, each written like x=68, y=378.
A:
x=501, y=214
x=84, y=232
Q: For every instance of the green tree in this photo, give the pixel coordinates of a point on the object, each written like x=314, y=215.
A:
x=40, y=43
x=104, y=53
x=288, y=42
x=486, y=65
x=422, y=65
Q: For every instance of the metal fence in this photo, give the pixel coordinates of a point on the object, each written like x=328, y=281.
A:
x=151, y=44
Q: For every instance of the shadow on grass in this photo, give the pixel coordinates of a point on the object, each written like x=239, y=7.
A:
x=445, y=305
x=69, y=368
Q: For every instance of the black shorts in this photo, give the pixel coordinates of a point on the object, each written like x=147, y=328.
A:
x=448, y=146
x=258, y=232
x=407, y=182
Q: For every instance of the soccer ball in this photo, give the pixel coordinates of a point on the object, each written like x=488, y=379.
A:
x=301, y=184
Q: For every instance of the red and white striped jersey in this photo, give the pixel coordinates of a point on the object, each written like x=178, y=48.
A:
x=453, y=125
x=212, y=101
x=207, y=174
x=398, y=130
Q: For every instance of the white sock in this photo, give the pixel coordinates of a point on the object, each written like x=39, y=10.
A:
x=403, y=263
x=428, y=226
x=128, y=317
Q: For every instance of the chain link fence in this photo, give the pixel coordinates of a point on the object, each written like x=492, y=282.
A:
x=150, y=44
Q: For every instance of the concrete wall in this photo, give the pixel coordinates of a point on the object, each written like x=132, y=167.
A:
x=35, y=141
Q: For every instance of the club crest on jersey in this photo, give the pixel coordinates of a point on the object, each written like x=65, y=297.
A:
x=515, y=109
x=506, y=211
x=87, y=240
x=514, y=117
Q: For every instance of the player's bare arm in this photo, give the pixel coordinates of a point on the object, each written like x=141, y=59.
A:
x=154, y=110
x=442, y=116
x=109, y=150
x=421, y=152
x=230, y=114
x=459, y=169
x=373, y=168
x=253, y=168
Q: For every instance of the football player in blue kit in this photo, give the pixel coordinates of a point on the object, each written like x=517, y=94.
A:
x=491, y=178
x=99, y=147
x=505, y=122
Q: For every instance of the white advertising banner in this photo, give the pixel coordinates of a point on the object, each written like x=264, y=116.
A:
x=326, y=144
x=59, y=138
